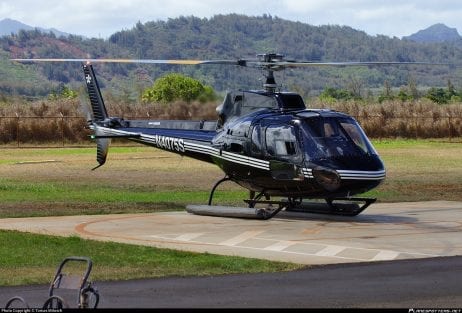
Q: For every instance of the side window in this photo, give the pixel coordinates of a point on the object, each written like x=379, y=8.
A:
x=281, y=141
x=256, y=140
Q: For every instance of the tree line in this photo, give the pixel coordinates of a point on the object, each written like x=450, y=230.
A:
x=231, y=36
x=410, y=92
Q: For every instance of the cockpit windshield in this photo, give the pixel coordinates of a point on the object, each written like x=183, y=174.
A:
x=327, y=137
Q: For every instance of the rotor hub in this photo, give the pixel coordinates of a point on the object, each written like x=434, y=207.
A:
x=269, y=63
x=270, y=57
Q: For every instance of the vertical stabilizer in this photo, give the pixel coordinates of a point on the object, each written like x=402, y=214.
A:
x=96, y=99
x=99, y=114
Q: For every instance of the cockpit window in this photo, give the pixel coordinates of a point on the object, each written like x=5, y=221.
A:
x=281, y=141
x=355, y=134
x=326, y=137
x=256, y=140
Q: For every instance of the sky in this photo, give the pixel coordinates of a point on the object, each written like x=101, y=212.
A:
x=102, y=18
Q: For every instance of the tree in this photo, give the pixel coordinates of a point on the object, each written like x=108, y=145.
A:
x=387, y=93
x=442, y=96
x=355, y=86
x=404, y=95
x=176, y=86
x=63, y=92
x=438, y=95
x=331, y=94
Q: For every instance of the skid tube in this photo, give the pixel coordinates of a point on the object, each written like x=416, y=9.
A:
x=239, y=212
x=333, y=206
x=346, y=206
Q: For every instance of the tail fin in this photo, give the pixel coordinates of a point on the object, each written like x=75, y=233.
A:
x=99, y=114
x=96, y=99
x=100, y=118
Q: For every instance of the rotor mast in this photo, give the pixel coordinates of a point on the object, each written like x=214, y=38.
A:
x=269, y=61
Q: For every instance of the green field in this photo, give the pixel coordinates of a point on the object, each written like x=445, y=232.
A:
x=420, y=170
x=43, y=182
x=40, y=182
x=33, y=259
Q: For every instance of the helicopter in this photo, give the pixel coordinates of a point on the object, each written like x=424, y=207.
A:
x=266, y=141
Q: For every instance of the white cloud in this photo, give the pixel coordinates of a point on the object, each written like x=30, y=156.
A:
x=104, y=17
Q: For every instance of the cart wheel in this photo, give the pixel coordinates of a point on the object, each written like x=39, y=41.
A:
x=89, y=298
x=17, y=299
x=55, y=302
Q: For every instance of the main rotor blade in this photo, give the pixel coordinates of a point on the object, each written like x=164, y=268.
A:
x=281, y=65
x=359, y=63
x=273, y=65
x=134, y=61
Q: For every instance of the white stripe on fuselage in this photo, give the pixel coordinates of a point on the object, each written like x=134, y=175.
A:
x=181, y=145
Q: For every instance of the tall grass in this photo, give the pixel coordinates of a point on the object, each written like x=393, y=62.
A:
x=48, y=121
x=398, y=119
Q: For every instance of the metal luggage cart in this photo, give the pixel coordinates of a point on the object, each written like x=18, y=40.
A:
x=66, y=282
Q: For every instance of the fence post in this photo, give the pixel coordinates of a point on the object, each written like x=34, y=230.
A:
x=450, y=127
x=62, y=128
x=17, y=128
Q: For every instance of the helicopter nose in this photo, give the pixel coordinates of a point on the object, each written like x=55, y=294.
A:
x=328, y=178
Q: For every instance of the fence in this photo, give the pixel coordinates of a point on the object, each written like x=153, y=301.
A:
x=26, y=131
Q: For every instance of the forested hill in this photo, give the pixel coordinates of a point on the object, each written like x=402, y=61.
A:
x=234, y=36
x=228, y=37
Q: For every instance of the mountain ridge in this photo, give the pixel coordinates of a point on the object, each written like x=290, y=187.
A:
x=435, y=34
x=10, y=26
x=438, y=32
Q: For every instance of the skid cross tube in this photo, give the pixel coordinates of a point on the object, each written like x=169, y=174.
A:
x=226, y=178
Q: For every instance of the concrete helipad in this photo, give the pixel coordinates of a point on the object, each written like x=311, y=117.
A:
x=385, y=231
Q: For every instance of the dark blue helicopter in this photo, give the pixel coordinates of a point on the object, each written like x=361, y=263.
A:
x=266, y=141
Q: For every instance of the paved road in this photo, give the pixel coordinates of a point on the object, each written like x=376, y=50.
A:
x=415, y=283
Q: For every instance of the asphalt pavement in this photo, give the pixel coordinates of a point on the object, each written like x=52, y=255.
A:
x=404, y=284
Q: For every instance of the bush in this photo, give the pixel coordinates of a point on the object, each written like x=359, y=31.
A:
x=174, y=86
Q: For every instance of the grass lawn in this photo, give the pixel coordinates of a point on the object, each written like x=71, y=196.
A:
x=420, y=170
x=32, y=259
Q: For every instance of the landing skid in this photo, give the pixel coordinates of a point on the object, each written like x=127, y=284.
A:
x=332, y=206
x=230, y=211
x=347, y=207
x=271, y=207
